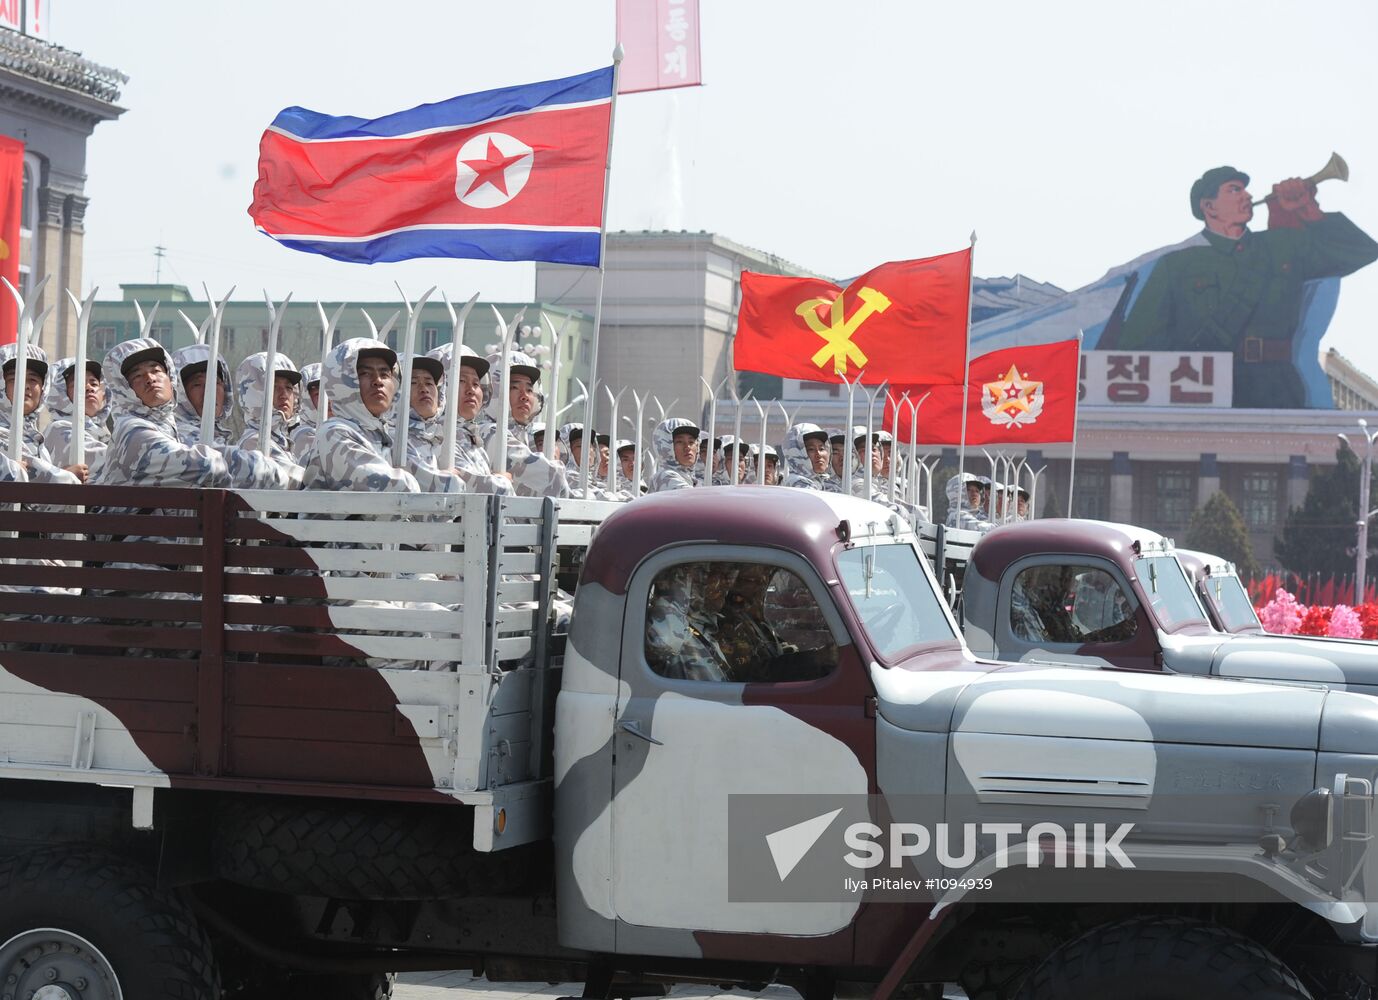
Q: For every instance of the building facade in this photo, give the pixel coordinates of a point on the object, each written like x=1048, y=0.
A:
x=52, y=99
x=669, y=314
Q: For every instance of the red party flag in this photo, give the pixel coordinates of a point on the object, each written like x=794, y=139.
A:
x=1018, y=395
x=11, y=206
x=905, y=321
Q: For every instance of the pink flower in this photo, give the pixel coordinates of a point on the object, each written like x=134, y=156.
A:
x=1282, y=615
x=1345, y=623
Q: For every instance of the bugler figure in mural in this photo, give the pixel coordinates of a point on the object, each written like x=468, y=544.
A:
x=1232, y=289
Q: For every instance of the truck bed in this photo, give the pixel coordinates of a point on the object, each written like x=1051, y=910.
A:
x=219, y=639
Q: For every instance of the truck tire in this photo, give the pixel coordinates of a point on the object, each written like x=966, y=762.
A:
x=94, y=926
x=358, y=851
x=1163, y=958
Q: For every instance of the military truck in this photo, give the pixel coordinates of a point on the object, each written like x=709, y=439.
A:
x=1096, y=592
x=1222, y=593
x=218, y=779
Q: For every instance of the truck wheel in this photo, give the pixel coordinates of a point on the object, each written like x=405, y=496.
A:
x=82, y=924
x=1167, y=958
x=359, y=851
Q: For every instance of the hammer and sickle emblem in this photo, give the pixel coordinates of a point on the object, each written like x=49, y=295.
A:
x=837, y=333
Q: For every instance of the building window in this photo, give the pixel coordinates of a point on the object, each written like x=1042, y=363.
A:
x=26, y=206
x=584, y=351
x=430, y=339
x=1091, y=499
x=100, y=340
x=1259, y=493
x=1173, y=498
x=572, y=341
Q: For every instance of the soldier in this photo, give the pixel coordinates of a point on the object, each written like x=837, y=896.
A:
x=682, y=622
x=191, y=363
x=532, y=473
x=38, y=464
x=145, y=448
x=709, y=458
x=675, y=442
x=837, y=440
x=61, y=393
x=303, y=437
x=1022, y=497
x=425, y=414
x=354, y=446
x=748, y=642
x=470, y=461
x=966, y=504
x=772, y=460
x=807, y=458
x=734, y=452
x=1235, y=290
x=250, y=381
x=629, y=479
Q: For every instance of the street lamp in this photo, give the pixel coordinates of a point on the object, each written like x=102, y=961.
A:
x=1365, y=514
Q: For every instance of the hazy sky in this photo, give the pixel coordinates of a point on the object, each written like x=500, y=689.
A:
x=834, y=134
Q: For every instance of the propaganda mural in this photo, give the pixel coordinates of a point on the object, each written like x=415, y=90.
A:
x=1229, y=306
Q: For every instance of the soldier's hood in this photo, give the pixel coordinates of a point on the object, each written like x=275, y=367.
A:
x=32, y=353
x=309, y=373
x=496, y=367
x=194, y=354
x=122, y=398
x=796, y=457
x=250, y=381
x=340, y=379
x=663, y=440
x=566, y=450
x=55, y=394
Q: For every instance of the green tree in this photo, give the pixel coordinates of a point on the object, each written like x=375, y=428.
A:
x=1319, y=536
x=1218, y=528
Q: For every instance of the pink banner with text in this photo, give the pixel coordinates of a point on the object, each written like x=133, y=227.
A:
x=660, y=39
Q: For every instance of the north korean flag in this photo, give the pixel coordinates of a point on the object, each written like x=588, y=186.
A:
x=510, y=174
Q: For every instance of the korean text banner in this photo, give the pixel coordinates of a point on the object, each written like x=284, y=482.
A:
x=510, y=174
x=660, y=39
x=11, y=206
x=1019, y=395
x=904, y=321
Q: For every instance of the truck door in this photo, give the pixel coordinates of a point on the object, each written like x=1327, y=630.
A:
x=1073, y=609
x=737, y=678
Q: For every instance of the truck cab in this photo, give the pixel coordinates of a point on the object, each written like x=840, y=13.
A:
x=1116, y=595
x=1221, y=592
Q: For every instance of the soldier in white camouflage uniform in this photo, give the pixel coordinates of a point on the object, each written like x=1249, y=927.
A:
x=38, y=462
x=965, y=504
x=532, y=473
x=470, y=460
x=806, y=459
x=629, y=479
x=249, y=386
x=772, y=460
x=191, y=363
x=145, y=448
x=303, y=436
x=675, y=442
x=62, y=387
x=732, y=452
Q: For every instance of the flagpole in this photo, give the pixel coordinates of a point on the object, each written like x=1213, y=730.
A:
x=592, y=399
x=1076, y=415
x=966, y=366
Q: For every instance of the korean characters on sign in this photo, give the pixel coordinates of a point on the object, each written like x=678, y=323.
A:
x=1156, y=378
x=661, y=38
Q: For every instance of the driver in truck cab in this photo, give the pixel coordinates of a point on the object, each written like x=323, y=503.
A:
x=684, y=619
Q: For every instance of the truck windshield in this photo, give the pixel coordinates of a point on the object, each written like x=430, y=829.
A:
x=1232, y=601
x=893, y=597
x=1168, y=591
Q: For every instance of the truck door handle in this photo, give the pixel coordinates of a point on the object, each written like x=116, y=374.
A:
x=631, y=728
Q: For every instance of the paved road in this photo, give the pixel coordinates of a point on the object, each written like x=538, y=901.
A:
x=462, y=986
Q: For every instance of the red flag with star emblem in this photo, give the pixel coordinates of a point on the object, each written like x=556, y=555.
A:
x=11, y=210
x=1018, y=395
x=905, y=321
